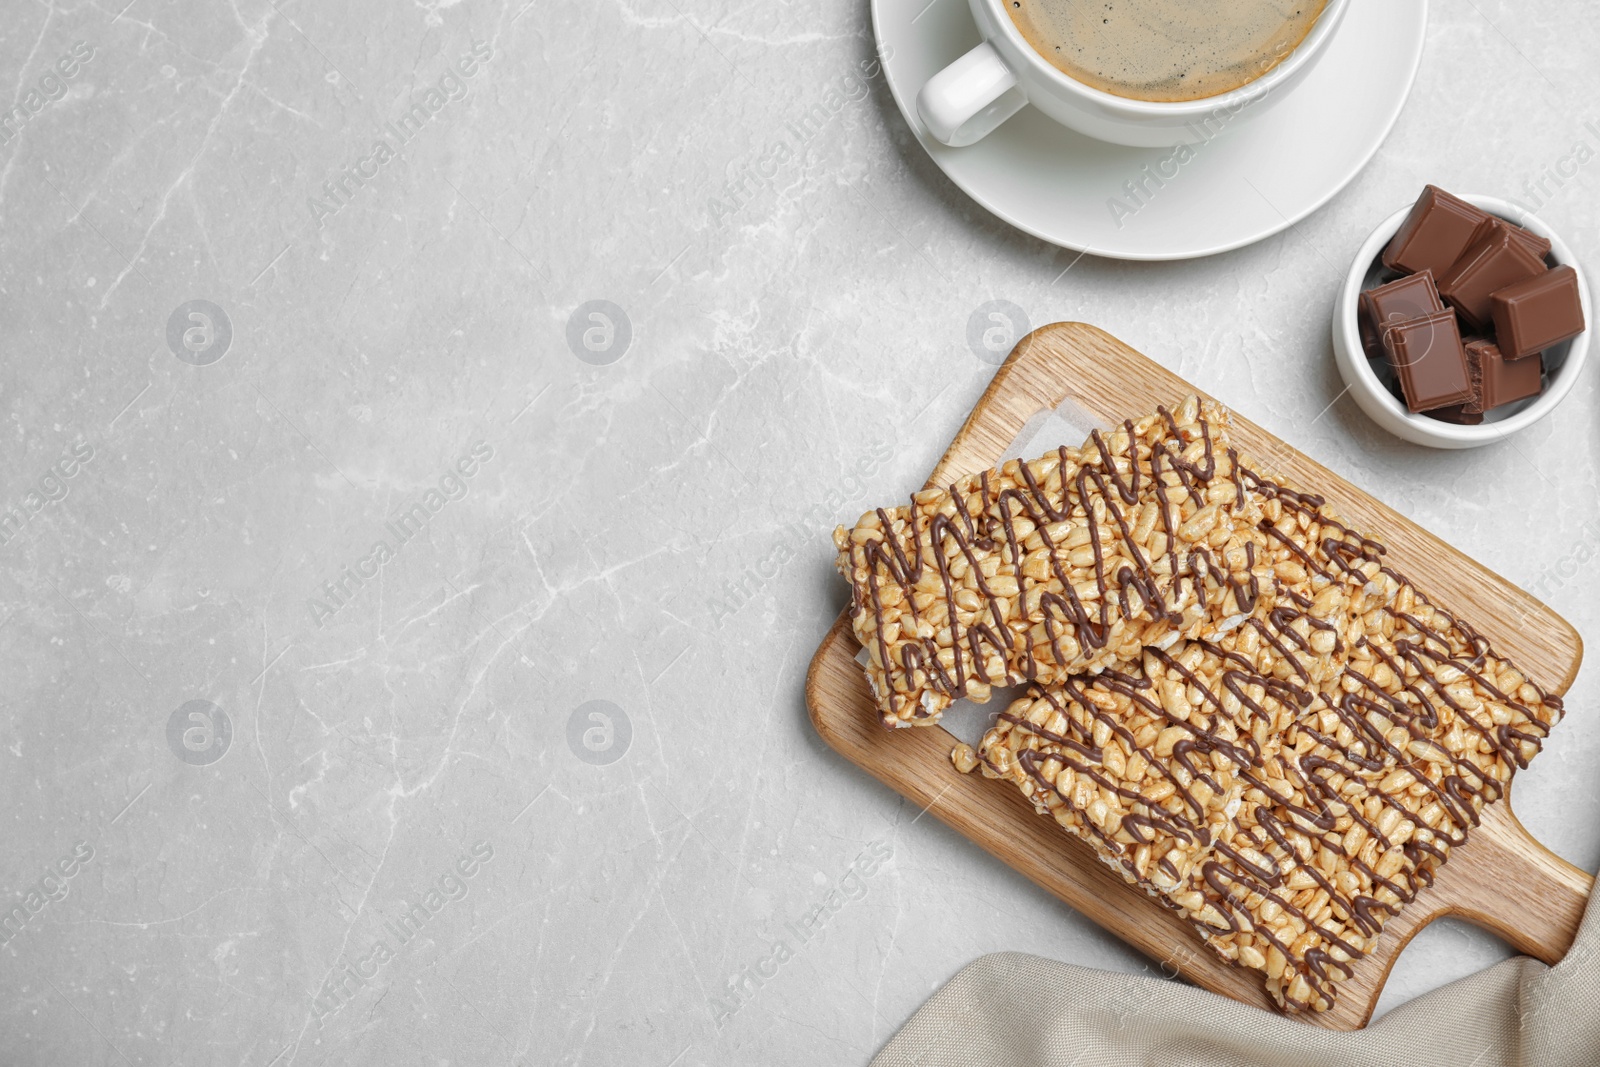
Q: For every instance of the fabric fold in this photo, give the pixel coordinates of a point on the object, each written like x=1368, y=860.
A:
x=1011, y=1009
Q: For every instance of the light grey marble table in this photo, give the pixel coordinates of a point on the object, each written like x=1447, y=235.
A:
x=330, y=509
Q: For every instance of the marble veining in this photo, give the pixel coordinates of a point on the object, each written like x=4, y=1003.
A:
x=423, y=425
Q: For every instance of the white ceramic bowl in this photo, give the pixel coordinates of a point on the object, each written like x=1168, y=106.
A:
x=1562, y=363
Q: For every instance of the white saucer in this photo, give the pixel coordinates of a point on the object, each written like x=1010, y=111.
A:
x=1252, y=180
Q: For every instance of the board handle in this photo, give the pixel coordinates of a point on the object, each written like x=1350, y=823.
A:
x=1529, y=896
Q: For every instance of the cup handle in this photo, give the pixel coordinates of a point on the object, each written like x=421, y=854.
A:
x=964, y=102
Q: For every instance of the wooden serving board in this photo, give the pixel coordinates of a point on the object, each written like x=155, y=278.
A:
x=1502, y=879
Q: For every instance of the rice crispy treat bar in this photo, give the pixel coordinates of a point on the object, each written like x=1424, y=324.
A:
x=1236, y=693
x=1360, y=806
x=1128, y=765
x=1384, y=772
x=1315, y=864
x=1045, y=569
x=1379, y=726
x=1455, y=720
x=1149, y=765
x=1234, y=696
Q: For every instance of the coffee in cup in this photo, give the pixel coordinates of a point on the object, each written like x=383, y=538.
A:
x=1165, y=50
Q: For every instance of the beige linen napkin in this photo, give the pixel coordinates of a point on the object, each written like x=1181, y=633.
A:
x=1015, y=1010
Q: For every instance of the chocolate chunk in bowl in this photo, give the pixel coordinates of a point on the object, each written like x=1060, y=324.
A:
x=1538, y=313
x=1437, y=230
x=1497, y=380
x=1494, y=261
x=1395, y=302
x=1532, y=242
x=1428, y=357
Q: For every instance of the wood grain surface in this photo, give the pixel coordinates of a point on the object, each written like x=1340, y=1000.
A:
x=1502, y=879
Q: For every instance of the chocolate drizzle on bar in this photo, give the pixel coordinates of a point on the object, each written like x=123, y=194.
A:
x=1099, y=498
x=1268, y=855
x=1079, y=752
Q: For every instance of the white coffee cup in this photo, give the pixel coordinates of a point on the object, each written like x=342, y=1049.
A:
x=965, y=101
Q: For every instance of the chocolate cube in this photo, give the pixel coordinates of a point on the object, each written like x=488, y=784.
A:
x=1493, y=262
x=1433, y=236
x=1497, y=380
x=1405, y=298
x=1539, y=246
x=1537, y=312
x=1428, y=357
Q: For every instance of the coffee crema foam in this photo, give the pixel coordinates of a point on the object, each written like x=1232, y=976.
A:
x=1165, y=50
